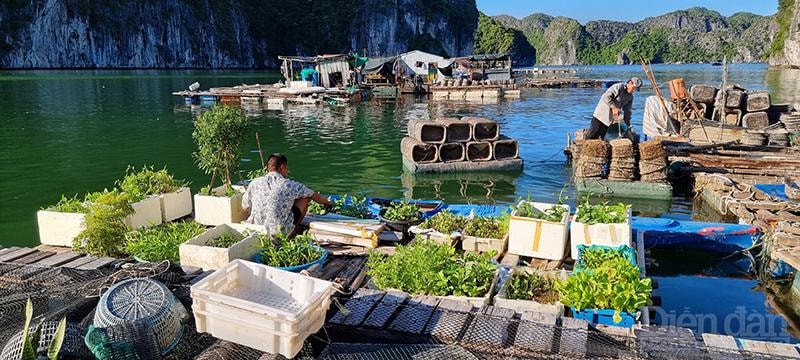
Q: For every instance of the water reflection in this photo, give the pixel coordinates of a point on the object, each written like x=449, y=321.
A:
x=784, y=85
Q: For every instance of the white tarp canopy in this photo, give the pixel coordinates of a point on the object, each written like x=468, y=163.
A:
x=416, y=62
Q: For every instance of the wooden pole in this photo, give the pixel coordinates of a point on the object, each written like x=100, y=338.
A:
x=260, y=153
x=651, y=77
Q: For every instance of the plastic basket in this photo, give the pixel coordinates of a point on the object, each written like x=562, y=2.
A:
x=605, y=317
x=71, y=347
x=143, y=301
x=626, y=251
x=299, y=268
x=261, y=307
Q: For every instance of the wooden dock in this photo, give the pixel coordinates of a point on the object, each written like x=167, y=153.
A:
x=54, y=257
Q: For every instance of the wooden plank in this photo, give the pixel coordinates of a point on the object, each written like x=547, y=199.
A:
x=79, y=262
x=510, y=260
x=332, y=268
x=34, y=257
x=352, y=268
x=97, y=263
x=16, y=254
x=59, y=259
x=7, y=250
x=415, y=315
x=385, y=309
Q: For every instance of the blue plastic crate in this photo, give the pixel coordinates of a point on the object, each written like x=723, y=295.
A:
x=605, y=317
x=626, y=250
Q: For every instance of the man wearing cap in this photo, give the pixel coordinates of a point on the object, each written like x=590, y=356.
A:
x=618, y=98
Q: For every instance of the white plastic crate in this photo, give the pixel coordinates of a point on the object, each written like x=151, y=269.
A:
x=196, y=253
x=261, y=307
x=146, y=213
x=614, y=235
x=213, y=210
x=538, y=238
x=59, y=228
x=176, y=205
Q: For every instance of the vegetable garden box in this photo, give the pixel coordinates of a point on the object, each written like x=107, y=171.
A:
x=261, y=307
x=213, y=210
x=476, y=244
x=627, y=251
x=59, y=228
x=606, y=317
x=176, y=205
x=477, y=301
x=434, y=235
x=538, y=238
x=146, y=213
x=522, y=306
x=352, y=232
x=196, y=253
x=614, y=235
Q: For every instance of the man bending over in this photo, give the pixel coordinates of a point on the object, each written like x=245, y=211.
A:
x=275, y=201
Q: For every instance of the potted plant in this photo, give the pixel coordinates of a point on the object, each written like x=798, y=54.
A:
x=592, y=256
x=612, y=293
x=295, y=255
x=538, y=230
x=61, y=223
x=105, y=224
x=219, y=134
x=161, y=242
x=426, y=267
x=174, y=196
x=602, y=224
x=484, y=234
x=528, y=289
x=218, y=246
x=400, y=216
x=444, y=227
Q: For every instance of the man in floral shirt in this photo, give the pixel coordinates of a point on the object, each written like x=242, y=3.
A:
x=275, y=201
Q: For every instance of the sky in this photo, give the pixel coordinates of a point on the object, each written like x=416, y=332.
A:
x=621, y=10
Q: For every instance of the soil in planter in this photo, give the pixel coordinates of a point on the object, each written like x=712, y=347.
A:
x=479, y=151
x=451, y=152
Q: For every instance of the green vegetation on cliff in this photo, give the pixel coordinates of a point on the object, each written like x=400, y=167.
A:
x=492, y=38
x=784, y=20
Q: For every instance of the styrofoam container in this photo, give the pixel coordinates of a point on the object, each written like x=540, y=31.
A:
x=477, y=244
x=59, y=228
x=614, y=235
x=176, y=205
x=196, y=253
x=249, y=228
x=521, y=306
x=538, y=238
x=217, y=210
x=261, y=307
x=146, y=213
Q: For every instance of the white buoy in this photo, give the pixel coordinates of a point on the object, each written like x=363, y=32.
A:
x=194, y=86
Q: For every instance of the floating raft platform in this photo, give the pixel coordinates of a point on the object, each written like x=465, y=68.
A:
x=464, y=166
x=624, y=189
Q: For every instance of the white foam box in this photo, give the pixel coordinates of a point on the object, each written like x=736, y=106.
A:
x=146, y=213
x=614, y=235
x=521, y=306
x=538, y=238
x=59, y=228
x=261, y=307
x=176, y=205
x=213, y=210
x=196, y=253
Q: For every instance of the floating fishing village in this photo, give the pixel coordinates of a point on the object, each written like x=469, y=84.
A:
x=491, y=201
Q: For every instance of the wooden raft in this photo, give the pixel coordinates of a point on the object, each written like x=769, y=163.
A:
x=53, y=257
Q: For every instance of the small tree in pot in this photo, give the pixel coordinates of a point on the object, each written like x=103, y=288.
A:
x=219, y=134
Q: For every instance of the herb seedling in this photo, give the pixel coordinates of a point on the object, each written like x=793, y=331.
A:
x=161, y=242
x=444, y=222
x=225, y=240
x=532, y=286
x=280, y=251
x=487, y=227
x=602, y=213
x=68, y=205
x=402, y=211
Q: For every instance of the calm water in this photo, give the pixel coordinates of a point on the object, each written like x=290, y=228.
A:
x=68, y=132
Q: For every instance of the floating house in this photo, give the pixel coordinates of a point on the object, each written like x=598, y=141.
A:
x=478, y=67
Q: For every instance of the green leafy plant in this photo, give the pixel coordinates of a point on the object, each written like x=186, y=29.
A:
x=554, y=213
x=30, y=340
x=219, y=134
x=602, y=213
x=616, y=285
x=487, y=227
x=426, y=267
x=402, y=211
x=161, y=242
x=281, y=251
x=105, y=230
x=315, y=208
x=252, y=174
x=594, y=257
x=356, y=207
x=68, y=205
x=224, y=241
x=444, y=222
x=532, y=286
x=229, y=191
x=148, y=181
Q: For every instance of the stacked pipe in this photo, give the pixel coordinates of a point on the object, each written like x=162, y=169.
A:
x=451, y=140
x=623, y=163
x=653, y=161
x=592, y=159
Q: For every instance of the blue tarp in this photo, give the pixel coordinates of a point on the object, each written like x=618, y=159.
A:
x=774, y=190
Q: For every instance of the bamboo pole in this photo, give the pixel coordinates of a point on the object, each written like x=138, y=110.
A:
x=260, y=153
